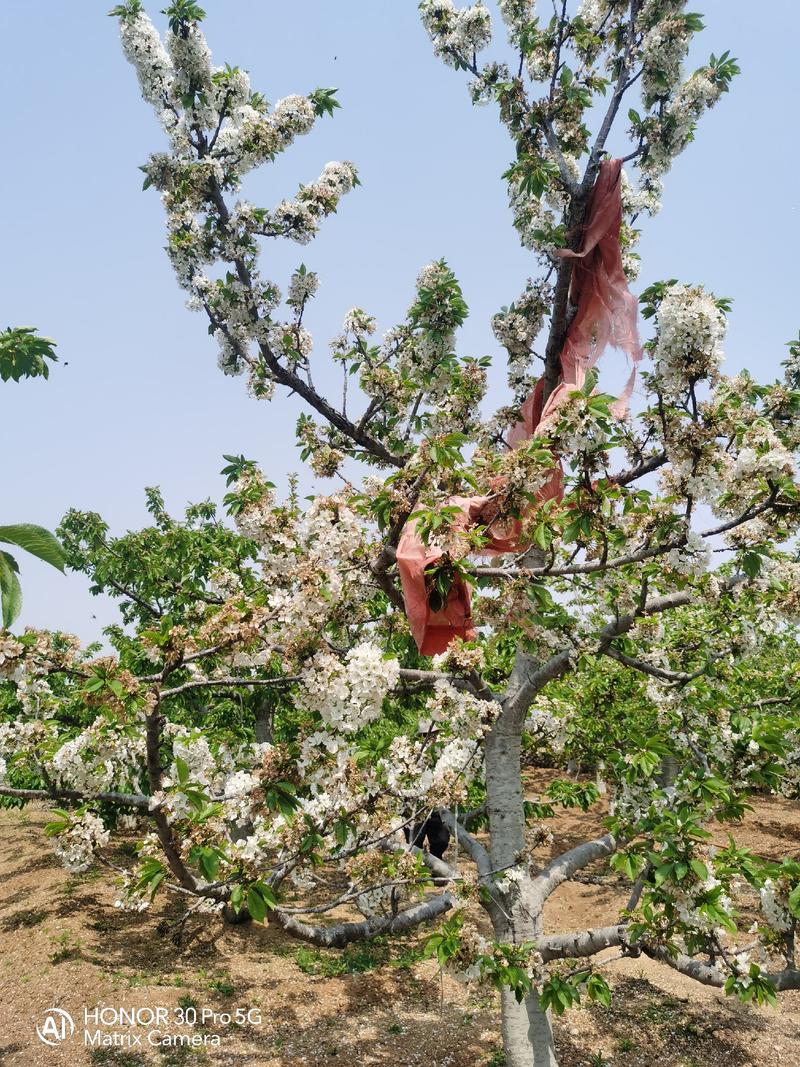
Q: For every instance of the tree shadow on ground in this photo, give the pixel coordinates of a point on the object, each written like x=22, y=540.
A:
x=645, y=1025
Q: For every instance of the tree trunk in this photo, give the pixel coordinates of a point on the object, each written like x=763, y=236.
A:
x=263, y=713
x=668, y=772
x=504, y=791
x=526, y=1028
x=527, y=1033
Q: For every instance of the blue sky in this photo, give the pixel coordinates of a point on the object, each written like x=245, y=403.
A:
x=137, y=399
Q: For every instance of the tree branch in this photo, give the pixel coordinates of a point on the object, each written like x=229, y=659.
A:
x=565, y=865
x=616, y=98
x=639, y=556
x=145, y=605
x=578, y=943
x=522, y=695
x=128, y=800
x=221, y=682
x=647, y=668
x=283, y=375
x=474, y=849
x=438, y=868
x=575, y=215
x=163, y=829
x=341, y=934
x=647, y=466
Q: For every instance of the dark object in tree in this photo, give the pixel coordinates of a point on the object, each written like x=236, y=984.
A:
x=236, y=918
x=434, y=830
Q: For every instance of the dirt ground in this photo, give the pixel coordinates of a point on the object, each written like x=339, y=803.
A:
x=64, y=945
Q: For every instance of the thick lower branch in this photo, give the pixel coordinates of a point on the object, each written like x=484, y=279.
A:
x=789, y=978
x=341, y=934
x=474, y=849
x=580, y=943
x=128, y=800
x=567, y=864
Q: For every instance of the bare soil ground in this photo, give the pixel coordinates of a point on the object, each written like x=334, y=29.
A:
x=64, y=945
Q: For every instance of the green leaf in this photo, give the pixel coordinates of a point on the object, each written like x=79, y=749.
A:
x=57, y=826
x=260, y=898
x=267, y=894
x=626, y=863
x=751, y=564
x=324, y=101
x=542, y=536
x=24, y=354
x=127, y=10
x=597, y=989
x=156, y=881
x=699, y=869
x=236, y=467
x=183, y=13
x=182, y=768
x=237, y=898
x=10, y=589
x=209, y=863
x=196, y=798
x=662, y=873
x=256, y=905
x=36, y=540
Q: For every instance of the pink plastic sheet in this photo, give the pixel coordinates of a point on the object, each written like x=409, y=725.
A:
x=605, y=315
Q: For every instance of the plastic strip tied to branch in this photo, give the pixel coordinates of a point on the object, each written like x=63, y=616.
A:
x=605, y=316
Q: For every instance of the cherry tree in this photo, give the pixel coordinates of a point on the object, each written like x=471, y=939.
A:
x=270, y=715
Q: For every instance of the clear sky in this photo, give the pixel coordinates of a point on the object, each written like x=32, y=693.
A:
x=137, y=399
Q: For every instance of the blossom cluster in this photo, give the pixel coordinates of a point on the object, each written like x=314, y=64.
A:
x=300, y=217
x=688, y=348
x=517, y=327
x=76, y=845
x=347, y=695
x=104, y=757
x=456, y=33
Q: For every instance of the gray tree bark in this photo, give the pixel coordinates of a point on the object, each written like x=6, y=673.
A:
x=263, y=714
x=668, y=772
x=527, y=1032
